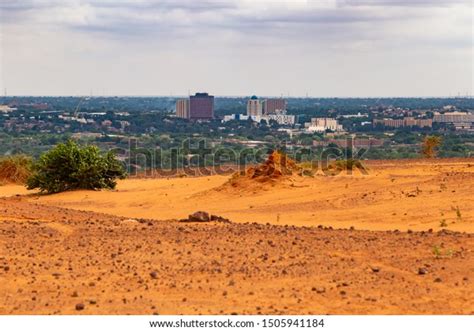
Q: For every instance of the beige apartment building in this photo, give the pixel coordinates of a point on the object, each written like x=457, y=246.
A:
x=453, y=117
x=407, y=121
x=182, y=108
x=324, y=123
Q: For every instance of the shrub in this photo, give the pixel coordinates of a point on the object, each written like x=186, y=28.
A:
x=71, y=167
x=430, y=145
x=15, y=169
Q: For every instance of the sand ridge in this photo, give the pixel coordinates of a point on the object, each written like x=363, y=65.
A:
x=416, y=195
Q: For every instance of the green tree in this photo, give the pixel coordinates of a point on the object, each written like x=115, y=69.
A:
x=69, y=166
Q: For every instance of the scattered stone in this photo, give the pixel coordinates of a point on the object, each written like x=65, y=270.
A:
x=200, y=216
x=80, y=306
x=318, y=290
x=374, y=268
x=422, y=271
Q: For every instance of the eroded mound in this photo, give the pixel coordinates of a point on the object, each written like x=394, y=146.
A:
x=277, y=165
x=278, y=168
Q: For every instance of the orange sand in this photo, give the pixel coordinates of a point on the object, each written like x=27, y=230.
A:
x=402, y=195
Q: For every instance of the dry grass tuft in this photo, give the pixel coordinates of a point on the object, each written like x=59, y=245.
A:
x=15, y=169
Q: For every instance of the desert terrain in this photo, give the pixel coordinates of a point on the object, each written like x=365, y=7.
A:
x=416, y=195
x=399, y=240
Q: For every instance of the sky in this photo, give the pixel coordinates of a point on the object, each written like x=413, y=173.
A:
x=319, y=48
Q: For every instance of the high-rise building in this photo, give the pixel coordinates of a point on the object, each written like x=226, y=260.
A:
x=254, y=107
x=273, y=106
x=201, y=106
x=182, y=108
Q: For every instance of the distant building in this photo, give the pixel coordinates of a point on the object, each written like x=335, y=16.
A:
x=322, y=124
x=282, y=118
x=453, y=117
x=201, y=106
x=359, y=115
x=272, y=106
x=6, y=109
x=254, y=107
x=240, y=117
x=404, y=122
x=182, y=108
x=461, y=121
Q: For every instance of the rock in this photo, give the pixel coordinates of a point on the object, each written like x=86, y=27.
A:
x=374, y=268
x=200, y=216
x=154, y=274
x=422, y=271
x=318, y=290
x=437, y=280
x=80, y=306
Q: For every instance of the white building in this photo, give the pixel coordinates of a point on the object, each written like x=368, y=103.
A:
x=322, y=124
x=282, y=119
x=6, y=109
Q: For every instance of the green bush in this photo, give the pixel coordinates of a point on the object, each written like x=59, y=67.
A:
x=72, y=167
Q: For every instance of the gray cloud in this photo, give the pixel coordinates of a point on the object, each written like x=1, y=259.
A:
x=302, y=38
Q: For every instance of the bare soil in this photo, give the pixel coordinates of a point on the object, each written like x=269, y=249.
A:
x=348, y=244
x=53, y=259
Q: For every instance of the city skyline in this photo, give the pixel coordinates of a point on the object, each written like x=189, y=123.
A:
x=327, y=48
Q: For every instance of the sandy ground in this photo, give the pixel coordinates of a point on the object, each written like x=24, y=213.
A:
x=52, y=260
x=119, y=255
x=402, y=195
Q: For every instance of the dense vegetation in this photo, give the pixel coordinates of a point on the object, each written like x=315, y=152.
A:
x=70, y=167
x=145, y=134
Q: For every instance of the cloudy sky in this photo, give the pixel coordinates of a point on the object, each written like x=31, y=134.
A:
x=237, y=47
